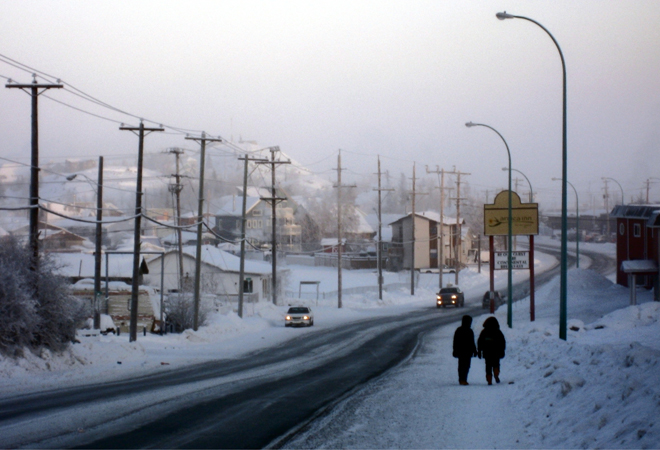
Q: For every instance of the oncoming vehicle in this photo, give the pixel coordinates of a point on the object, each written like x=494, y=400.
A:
x=499, y=300
x=450, y=296
x=299, y=316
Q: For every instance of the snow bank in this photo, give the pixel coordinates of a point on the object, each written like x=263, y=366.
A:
x=597, y=389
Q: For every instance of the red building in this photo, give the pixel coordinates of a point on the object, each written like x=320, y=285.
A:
x=637, y=239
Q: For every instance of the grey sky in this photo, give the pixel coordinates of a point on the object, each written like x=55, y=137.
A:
x=399, y=79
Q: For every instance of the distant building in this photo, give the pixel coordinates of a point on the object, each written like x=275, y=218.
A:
x=427, y=242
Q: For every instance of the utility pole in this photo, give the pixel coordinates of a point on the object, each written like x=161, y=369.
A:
x=241, y=276
x=458, y=250
x=97, y=252
x=140, y=132
x=412, y=247
x=606, y=196
x=200, y=221
x=176, y=190
x=412, y=252
x=339, y=187
x=441, y=231
x=34, y=89
x=274, y=200
x=380, y=236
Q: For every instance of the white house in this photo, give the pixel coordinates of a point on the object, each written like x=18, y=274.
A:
x=219, y=273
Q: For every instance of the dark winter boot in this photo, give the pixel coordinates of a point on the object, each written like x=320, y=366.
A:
x=496, y=372
x=489, y=378
x=463, y=383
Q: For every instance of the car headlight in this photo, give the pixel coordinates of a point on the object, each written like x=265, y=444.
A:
x=453, y=297
x=305, y=317
x=288, y=317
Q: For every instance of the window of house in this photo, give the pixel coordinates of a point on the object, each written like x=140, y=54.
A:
x=261, y=224
x=248, y=285
x=256, y=212
x=248, y=223
x=637, y=230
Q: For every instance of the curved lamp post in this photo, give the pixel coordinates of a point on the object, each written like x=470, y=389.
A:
x=563, y=282
x=97, y=186
x=531, y=192
x=623, y=201
x=577, y=222
x=510, y=229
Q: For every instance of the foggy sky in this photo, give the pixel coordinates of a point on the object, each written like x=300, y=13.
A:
x=395, y=79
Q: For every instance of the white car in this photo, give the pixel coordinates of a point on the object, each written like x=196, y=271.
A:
x=299, y=316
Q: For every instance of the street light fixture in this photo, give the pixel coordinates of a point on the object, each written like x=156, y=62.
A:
x=563, y=282
x=531, y=192
x=577, y=222
x=510, y=229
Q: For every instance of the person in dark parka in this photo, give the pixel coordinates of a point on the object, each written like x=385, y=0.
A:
x=492, y=345
x=464, y=348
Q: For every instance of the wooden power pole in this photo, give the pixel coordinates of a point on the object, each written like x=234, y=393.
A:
x=379, y=249
x=140, y=132
x=273, y=200
x=34, y=89
x=200, y=222
x=339, y=187
x=176, y=190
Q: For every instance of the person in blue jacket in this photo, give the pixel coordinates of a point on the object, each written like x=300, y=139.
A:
x=464, y=349
x=492, y=345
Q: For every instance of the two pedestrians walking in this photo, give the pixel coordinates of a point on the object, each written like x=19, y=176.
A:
x=491, y=345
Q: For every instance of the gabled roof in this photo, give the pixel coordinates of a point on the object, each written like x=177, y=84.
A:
x=431, y=216
x=225, y=262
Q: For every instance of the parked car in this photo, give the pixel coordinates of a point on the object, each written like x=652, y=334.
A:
x=500, y=299
x=450, y=296
x=299, y=316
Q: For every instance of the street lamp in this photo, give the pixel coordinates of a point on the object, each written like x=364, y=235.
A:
x=563, y=282
x=510, y=229
x=623, y=201
x=531, y=192
x=99, y=235
x=577, y=222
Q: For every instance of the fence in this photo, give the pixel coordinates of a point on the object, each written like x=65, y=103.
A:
x=347, y=291
x=348, y=261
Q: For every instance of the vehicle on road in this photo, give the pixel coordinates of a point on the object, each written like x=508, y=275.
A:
x=445, y=269
x=500, y=299
x=450, y=296
x=299, y=316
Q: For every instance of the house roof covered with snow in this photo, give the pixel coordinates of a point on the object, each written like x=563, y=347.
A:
x=224, y=261
x=233, y=205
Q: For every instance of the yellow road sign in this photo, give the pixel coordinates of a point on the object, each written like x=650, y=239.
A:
x=525, y=216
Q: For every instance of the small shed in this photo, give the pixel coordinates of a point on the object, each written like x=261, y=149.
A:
x=633, y=269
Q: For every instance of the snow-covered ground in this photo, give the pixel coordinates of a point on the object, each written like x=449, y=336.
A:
x=597, y=389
